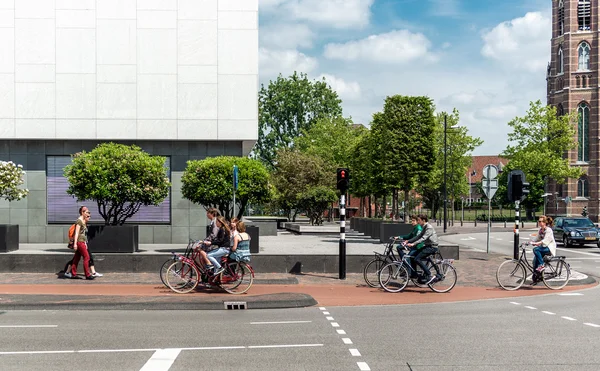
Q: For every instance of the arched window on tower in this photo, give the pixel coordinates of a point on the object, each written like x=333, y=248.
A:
x=583, y=129
x=583, y=53
x=560, y=111
x=583, y=187
x=561, y=61
x=561, y=17
x=584, y=15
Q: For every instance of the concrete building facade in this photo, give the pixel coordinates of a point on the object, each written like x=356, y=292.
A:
x=179, y=78
x=572, y=85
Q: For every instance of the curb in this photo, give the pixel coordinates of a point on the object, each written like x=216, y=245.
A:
x=93, y=302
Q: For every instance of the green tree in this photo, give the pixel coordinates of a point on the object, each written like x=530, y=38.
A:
x=315, y=201
x=11, y=178
x=209, y=183
x=331, y=139
x=288, y=106
x=404, y=133
x=537, y=145
x=119, y=178
x=295, y=175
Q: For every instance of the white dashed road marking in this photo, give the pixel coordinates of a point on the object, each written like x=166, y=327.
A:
x=550, y=313
x=569, y=318
x=528, y=307
x=29, y=326
x=515, y=303
x=353, y=351
x=278, y=323
x=571, y=294
x=592, y=324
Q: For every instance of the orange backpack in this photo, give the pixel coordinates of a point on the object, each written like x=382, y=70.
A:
x=71, y=235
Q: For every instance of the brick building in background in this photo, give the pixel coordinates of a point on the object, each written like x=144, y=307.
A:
x=572, y=84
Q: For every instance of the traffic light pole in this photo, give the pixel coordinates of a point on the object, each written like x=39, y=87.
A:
x=342, y=237
x=516, y=243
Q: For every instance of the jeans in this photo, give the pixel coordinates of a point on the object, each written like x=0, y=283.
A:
x=422, y=254
x=539, y=253
x=81, y=251
x=215, y=255
x=412, y=261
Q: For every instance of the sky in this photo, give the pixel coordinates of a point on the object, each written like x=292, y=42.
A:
x=485, y=58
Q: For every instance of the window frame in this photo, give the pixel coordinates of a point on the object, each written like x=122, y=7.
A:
x=583, y=132
x=583, y=187
x=67, y=217
x=583, y=46
x=561, y=61
x=584, y=15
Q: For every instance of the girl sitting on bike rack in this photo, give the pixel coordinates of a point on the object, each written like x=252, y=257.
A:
x=545, y=245
x=221, y=244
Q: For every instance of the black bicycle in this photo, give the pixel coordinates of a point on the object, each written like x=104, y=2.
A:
x=512, y=274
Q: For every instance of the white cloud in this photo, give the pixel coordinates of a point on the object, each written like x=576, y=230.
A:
x=346, y=89
x=286, y=36
x=331, y=13
x=274, y=62
x=522, y=43
x=394, y=46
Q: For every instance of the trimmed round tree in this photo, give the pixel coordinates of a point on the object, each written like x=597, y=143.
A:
x=119, y=178
x=11, y=177
x=209, y=183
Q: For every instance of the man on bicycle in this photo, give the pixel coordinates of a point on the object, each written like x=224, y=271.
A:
x=428, y=237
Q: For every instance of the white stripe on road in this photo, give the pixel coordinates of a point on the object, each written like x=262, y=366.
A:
x=322, y=308
x=326, y=313
x=335, y=324
x=515, y=303
x=578, y=252
x=278, y=323
x=550, y=313
x=528, y=307
x=155, y=349
x=329, y=318
x=592, y=324
x=354, y=352
x=341, y=332
x=29, y=326
x=569, y=318
x=571, y=294
x=161, y=360
x=347, y=340
x=363, y=366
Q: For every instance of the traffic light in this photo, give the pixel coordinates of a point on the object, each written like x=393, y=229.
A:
x=518, y=188
x=343, y=179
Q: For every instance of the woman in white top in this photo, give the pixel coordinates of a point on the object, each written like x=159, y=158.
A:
x=544, y=242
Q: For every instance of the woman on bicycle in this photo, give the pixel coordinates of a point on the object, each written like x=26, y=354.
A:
x=220, y=243
x=417, y=228
x=544, y=242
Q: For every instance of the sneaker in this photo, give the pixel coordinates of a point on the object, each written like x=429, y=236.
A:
x=218, y=271
x=433, y=279
x=209, y=267
x=90, y=277
x=96, y=274
x=67, y=275
x=540, y=268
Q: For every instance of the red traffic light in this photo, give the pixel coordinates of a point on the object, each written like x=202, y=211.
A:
x=343, y=174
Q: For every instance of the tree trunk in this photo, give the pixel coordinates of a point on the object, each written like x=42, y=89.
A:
x=370, y=211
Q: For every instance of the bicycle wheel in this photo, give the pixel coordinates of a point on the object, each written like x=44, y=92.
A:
x=393, y=277
x=446, y=279
x=236, y=278
x=371, y=271
x=163, y=271
x=182, y=277
x=511, y=275
x=556, y=274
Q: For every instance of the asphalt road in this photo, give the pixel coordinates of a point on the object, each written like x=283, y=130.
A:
x=550, y=332
x=582, y=259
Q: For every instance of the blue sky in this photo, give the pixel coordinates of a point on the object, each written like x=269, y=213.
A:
x=486, y=58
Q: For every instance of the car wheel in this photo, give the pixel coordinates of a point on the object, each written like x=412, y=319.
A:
x=566, y=241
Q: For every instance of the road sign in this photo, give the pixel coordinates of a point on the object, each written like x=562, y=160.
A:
x=490, y=171
x=490, y=186
x=235, y=177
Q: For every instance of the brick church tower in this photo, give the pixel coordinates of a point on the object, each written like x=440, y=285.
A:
x=572, y=85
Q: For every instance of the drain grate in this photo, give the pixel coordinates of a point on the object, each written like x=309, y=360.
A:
x=235, y=305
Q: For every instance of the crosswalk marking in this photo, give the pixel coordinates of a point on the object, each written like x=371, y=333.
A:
x=161, y=360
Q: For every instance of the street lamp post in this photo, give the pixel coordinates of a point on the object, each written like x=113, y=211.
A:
x=445, y=166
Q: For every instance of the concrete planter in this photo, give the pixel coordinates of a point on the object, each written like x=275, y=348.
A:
x=388, y=230
x=253, y=232
x=360, y=225
x=9, y=237
x=113, y=238
x=375, y=228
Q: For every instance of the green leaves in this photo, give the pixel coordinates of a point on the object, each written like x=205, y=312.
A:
x=286, y=108
x=209, y=183
x=119, y=178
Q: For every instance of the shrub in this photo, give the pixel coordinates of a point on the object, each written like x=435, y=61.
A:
x=119, y=178
x=11, y=177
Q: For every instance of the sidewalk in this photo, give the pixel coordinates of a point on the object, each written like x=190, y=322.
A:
x=144, y=291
